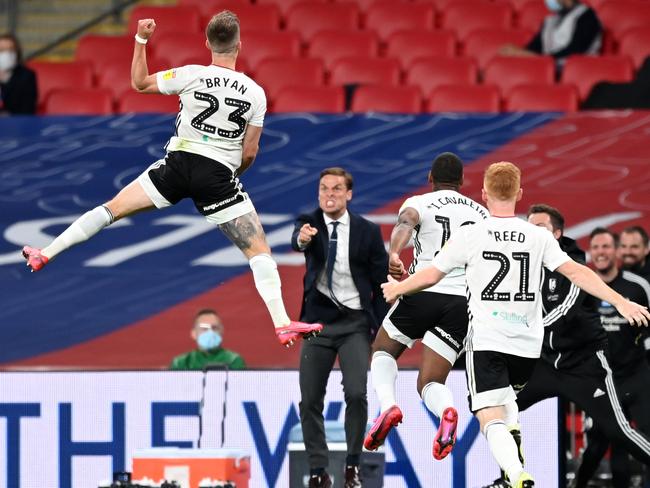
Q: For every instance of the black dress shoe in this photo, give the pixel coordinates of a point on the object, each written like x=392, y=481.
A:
x=352, y=479
x=320, y=481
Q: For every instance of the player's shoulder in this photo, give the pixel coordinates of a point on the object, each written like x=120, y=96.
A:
x=255, y=86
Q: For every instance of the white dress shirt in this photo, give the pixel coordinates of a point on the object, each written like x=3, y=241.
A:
x=343, y=286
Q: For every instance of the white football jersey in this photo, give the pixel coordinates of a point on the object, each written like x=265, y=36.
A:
x=217, y=104
x=442, y=213
x=504, y=260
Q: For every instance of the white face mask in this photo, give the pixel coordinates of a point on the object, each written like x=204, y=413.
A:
x=7, y=60
x=553, y=5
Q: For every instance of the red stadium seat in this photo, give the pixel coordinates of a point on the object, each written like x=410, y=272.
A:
x=430, y=73
x=98, y=50
x=148, y=103
x=79, y=101
x=531, y=15
x=618, y=16
x=275, y=74
x=542, y=98
x=181, y=20
x=585, y=71
x=635, y=43
x=386, y=18
x=310, y=18
x=463, y=17
x=52, y=76
x=365, y=71
x=508, y=72
x=269, y=45
x=365, y=5
x=468, y=98
x=330, y=46
x=176, y=49
x=442, y=5
x=484, y=44
x=408, y=46
x=388, y=99
x=286, y=5
x=117, y=76
x=319, y=99
x=252, y=18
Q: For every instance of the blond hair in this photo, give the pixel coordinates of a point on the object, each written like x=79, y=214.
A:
x=502, y=180
x=223, y=32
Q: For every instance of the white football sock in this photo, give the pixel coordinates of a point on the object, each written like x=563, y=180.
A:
x=512, y=415
x=437, y=397
x=503, y=448
x=267, y=282
x=80, y=230
x=383, y=373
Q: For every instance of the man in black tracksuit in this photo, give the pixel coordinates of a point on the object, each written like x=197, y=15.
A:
x=627, y=358
x=573, y=363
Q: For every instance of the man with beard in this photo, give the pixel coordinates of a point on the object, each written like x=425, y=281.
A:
x=633, y=251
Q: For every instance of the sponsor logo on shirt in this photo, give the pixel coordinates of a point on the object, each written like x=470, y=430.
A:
x=169, y=74
x=552, y=284
x=511, y=317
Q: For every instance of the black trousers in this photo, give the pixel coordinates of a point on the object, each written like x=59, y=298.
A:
x=348, y=338
x=635, y=398
x=590, y=385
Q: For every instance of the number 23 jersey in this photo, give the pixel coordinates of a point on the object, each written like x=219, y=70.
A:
x=217, y=104
x=504, y=259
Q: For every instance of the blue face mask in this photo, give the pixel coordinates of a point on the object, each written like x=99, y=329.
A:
x=208, y=340
x=553, y=5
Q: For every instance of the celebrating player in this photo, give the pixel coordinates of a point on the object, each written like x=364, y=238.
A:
x=217, y=137
x=503, y=258
x=437, y=315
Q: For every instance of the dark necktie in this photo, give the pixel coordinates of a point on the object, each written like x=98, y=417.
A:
x=331, y=258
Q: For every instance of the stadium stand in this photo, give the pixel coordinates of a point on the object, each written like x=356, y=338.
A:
x=254, y=17
x=464, y=17
x=286, y=5
x=430, y=73
x=333, y=45
x=409, y=45
x=484, y=44
x=319, y=99
x=531, y=15
x=52, y=76
x=113, y=49
x=180, y=19
x=585, y=71
x=541, y=98
x=469, y=98
x=635, y=43
x=389, y=99
x=176, y=49
x=267, y=45
x=310, y=18
x=275, y=74
x=385, y=19
x=507, y=72
x=79, y=101
x=365, y=71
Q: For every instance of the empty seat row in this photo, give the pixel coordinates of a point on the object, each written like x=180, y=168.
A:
x=388, y=99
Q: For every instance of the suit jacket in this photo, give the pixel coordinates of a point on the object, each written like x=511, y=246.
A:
x=368, y=266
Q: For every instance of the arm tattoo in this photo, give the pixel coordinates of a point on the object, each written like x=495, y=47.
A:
x=243, y=230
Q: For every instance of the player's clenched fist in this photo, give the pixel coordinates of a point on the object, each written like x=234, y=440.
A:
x=395, y=266
x=146, y=28
x=306, y=233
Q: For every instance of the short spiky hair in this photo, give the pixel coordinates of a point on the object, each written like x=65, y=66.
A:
x=223, y=32
x=557, y=219
x=502, y=180
x=447, y=168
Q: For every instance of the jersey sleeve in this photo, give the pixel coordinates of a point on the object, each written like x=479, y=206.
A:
x=259, y=109
x=453, y=254
x=174, y=80
x=554, y=256
x=411, y=202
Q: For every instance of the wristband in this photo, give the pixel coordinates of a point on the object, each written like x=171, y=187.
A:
x=140, y=40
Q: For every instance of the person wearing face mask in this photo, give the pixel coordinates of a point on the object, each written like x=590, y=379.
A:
x=571, y=28
x=207, y=331
x=18, y=92
x=346, y=264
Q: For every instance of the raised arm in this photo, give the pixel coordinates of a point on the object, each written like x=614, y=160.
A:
x=141, y=80
x=399, y=238
x=590, y=282
x=250, y=147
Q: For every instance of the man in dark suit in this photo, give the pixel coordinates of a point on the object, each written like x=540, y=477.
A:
x=346, y=264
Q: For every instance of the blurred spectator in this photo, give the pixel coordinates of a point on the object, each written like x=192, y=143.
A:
x=571, y=28
x=207, y=331
x=633, y=251
x=18, y=92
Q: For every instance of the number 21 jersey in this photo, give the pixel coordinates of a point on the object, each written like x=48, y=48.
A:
x=217, y=104
x=504, y=259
